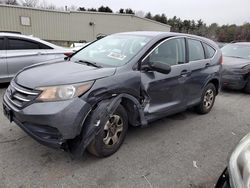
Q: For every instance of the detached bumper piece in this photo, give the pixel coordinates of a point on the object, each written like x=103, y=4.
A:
x=223, y=181
x=43, y=134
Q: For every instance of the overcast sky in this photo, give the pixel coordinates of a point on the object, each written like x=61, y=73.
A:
x=220, y=11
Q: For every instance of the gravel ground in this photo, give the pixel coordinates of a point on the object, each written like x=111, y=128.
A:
x=162, y=155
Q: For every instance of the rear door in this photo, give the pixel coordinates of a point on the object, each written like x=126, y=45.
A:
x=166, y=93
x=199, y=67
x=49, y=53
x=3, y=64
x=22, y=53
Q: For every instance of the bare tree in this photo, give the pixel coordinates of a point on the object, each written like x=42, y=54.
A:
x=9, y=2
x=140, y=13
x=30, y=3
x=45, y=5
x=60, y=8
x=72, y=8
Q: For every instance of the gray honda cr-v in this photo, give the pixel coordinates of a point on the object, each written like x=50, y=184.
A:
x=89, y=100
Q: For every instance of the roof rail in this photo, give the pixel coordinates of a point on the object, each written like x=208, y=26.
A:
x=235, y=41
x=14, y=32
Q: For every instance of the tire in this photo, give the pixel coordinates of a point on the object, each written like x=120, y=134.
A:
x=106, y=143
x=207, y=99
x=247, y=87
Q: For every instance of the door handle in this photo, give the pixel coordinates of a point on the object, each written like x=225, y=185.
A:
x=185, y=73
x=207, y=65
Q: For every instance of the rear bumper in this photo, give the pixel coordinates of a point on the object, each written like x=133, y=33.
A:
x=236, y=82
x=51, y=123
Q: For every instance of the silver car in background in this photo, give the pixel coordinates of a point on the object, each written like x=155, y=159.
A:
x=18, y=51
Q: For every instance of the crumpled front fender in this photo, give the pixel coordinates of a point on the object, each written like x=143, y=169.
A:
x=97, y=117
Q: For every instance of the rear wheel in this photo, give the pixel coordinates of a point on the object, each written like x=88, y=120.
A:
x=207, y=99
x=111, y=136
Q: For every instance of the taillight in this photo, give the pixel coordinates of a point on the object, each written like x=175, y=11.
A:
x=221, y=60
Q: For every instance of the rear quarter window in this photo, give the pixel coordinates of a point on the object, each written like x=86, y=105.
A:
x=44, y=46
x=210, y=51
x=20, y=44
x=196, y=51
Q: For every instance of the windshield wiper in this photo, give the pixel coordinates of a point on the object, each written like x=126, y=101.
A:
x=88, y=63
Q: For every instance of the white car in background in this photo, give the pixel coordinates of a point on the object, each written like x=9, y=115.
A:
x=77, y=46
x=18, y=51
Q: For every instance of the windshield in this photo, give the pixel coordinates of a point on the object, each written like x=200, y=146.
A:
x=236, y=50
x=114, y=50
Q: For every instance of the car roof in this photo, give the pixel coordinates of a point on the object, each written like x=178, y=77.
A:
x=6, y=34
x=243, y=43
x=169, y=34
x=143, y=33
x=157, y=33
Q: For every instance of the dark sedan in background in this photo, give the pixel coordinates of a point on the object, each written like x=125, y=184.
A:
x=236, y=66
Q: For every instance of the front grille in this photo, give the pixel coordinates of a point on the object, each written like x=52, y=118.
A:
x=20, y=96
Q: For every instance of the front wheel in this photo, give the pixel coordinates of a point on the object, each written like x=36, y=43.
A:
x=111, y=136
x=207, y=99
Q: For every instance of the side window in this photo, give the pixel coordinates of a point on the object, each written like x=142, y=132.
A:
x=196, y=51
x=19, y=44
x=1, y=44
x=171, y=52
x=209, y=51
x=44, y=46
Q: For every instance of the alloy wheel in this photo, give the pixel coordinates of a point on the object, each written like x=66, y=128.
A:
x=112, y=130
x=208, y=99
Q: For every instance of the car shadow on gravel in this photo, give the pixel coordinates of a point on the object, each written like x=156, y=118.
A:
x=164, y=124
x=230, y=91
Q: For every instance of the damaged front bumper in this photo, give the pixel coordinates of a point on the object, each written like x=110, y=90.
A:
x=50, y=123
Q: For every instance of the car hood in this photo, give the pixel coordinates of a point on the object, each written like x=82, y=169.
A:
x=60, y=73
x=231, y=62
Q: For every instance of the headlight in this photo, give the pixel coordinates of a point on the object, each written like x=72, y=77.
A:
x=63, y=92
x=239, y=164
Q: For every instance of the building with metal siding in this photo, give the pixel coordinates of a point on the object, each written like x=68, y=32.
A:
x=66, y=27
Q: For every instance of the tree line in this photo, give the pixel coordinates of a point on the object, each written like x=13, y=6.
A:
x=224, y=33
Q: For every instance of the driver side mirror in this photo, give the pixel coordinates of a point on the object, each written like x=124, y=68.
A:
x=160, y=67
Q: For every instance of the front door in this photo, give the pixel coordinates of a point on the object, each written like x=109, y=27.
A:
x=21, y=53
x=165, y=93
x=3, y=64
